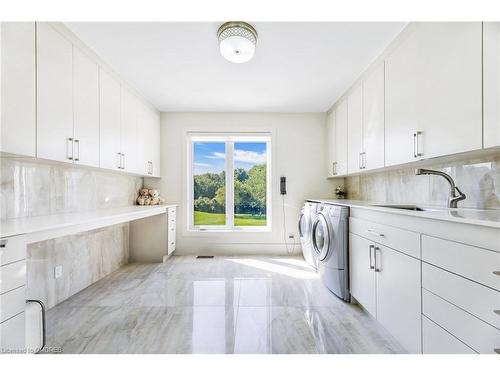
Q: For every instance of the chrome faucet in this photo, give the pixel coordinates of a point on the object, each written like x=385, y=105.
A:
x=454, y=198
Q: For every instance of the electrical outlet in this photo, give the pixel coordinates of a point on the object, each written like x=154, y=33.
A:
x=57, y=272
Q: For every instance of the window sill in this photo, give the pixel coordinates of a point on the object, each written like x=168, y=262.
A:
x=232, y=230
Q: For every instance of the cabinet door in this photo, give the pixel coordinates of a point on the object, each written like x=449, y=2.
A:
x=433, y=89
x=491, y=81
x=355, y=130
x=373, y=119
x=86, y=109
x=110, y=145
x=154, y=143
x=129, y=131
x=55, y=95
x=399, y=296
x=362, y=272
x=330, y=144
x=18, y=128
x=341, y=138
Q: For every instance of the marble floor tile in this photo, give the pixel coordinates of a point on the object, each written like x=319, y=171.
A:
x=220, y=305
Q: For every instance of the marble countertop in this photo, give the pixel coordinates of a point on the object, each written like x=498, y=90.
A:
x=487, y=218
x=79, y=220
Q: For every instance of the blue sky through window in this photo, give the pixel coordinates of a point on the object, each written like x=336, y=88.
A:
x=210, y=157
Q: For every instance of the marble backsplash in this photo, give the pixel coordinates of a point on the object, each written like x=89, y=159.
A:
x=478, y=178
x=29, y=188
x=85, y=258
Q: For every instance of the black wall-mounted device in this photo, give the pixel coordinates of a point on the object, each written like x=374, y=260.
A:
x=283, y=185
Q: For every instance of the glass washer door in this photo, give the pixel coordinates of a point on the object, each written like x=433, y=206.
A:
x=321, y=236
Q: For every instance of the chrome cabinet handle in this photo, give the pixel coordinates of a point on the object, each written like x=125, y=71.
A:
x=123, y=161
x=77, y=143
x=377, y=269
x=119, y=160
x=69, y=146
x=334, y=168
x=360, y=161
x=371, y=247
x=371, y=231
x=416, y=145
x=364, y=160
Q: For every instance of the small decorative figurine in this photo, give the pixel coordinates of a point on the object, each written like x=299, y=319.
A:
x=340, y=192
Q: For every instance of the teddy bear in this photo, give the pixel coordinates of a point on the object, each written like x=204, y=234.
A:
x=144, y=198
x=155, y=197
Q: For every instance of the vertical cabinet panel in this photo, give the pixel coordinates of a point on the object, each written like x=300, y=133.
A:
x=491, y=81
x=341, y=138
x=54, y=95
x=110, y=127
x=330, y=144
x=373, y=119
x=362, y=273
x=355, y=130
x=433, y=90
x=129, y=131
x=155, y=142
x=86, y=109
x=18, y=127
x=399, y=296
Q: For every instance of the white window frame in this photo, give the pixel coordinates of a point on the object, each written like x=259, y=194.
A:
x=229, y=139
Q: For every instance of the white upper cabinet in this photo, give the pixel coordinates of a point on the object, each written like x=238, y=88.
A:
x=54, y=95
x=18, y=116
x=491, y=81
x=129, y=132
x=86, y=110
x=110, y=119
x=341, y=138
x=330, y=144
x=433, y=92
x=355, y=130
x=373, y=120
x=152, y=130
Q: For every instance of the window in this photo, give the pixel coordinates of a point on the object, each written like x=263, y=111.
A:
x=229, y=181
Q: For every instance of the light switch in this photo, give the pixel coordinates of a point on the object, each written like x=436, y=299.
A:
x=58, y=272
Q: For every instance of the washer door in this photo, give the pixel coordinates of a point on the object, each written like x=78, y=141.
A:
x=321, y=236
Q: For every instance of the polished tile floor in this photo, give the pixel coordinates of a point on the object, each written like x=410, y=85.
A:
x=220, y=305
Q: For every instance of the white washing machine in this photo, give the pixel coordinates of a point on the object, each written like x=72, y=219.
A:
x=306, y=219
x=330, y=236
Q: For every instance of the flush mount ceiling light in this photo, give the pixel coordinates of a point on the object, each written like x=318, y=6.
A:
x=237, y=41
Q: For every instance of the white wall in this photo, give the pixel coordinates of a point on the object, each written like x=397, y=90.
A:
x=298, y=152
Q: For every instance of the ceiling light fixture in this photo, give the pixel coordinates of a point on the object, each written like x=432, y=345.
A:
x=237, y=41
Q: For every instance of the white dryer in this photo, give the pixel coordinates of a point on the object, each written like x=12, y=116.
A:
x=306, y=219
x=330, y=235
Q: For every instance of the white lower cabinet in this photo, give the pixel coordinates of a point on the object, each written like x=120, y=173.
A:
x=12, y=334
x=387, y=284
x=438, y=341
x=362, y=272
x=399, y=296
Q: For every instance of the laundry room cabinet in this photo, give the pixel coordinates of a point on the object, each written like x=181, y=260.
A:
x=18, y=114
x=433, y=92
x=336, y=123
x=491, y=82
x=385, y=281
x=355, y=130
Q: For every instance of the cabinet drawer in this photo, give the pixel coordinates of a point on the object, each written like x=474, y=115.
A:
x=399, y=239
x=12, y=276
x=437, y=341
x=471, y=262
x=12, y=303
x=12, y=334
x=475, y=298
x=12, y=249
x=475, y=333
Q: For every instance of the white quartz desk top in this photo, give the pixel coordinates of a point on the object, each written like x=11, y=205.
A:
x=39, y=228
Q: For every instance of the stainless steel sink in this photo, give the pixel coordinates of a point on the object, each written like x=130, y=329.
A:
x=409, y=207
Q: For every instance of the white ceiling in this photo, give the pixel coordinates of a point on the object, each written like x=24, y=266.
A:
x=298, y=67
